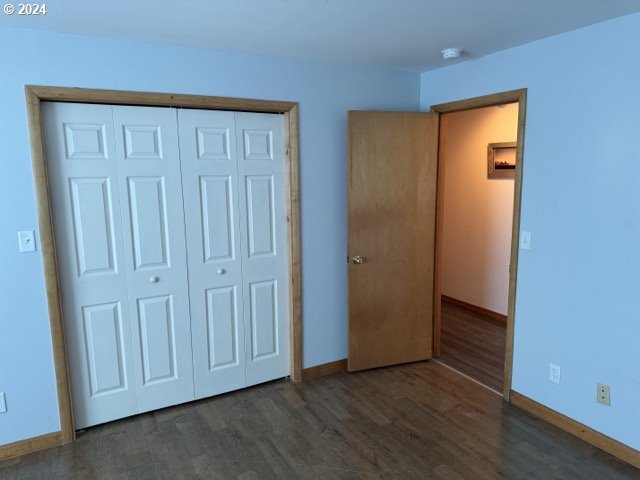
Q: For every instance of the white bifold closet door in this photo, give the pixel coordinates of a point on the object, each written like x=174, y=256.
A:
x=153, y=227
x=235, y=210
x=83, y=182
x=118, y=223
x=157, y=312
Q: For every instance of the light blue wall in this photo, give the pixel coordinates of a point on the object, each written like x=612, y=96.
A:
x=325, y=93
x=579, y=285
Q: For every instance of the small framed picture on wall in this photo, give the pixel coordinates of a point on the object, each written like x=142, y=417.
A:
x=501, y=160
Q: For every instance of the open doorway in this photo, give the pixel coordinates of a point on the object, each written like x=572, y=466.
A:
x=498, y=121
x=394, y=266
x=478, y=152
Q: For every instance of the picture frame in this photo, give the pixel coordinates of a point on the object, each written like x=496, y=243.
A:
x=501, y=160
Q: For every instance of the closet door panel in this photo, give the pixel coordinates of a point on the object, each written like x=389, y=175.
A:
x=217, y=206
x=264, y=319
x=210, y=186
x=153, y=225
x=156, y=321
x=149, y=222
x=83, y=181
x=263, y=227
x=105, y=351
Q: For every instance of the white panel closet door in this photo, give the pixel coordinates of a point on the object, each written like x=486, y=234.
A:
x=210, y=186
x=139, y=325
x=263, y=230
x=83, y=178
x=153, y=226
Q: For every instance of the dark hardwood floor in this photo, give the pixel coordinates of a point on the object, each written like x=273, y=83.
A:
x=473, y=344
x=417, y=421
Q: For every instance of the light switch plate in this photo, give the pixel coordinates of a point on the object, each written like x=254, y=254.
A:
x=525, y=240
x=3, y=403
x=27, y=241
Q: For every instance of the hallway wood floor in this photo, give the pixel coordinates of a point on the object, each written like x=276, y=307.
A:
x=473, y=345
x=416, y=421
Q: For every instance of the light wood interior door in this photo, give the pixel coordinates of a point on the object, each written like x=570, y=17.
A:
x=392, y=211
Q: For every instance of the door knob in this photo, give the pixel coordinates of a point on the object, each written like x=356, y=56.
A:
x=221, y=271
x=154, y=279
x=358, y=260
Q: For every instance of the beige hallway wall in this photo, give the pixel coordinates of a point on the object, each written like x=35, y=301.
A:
x=477, y=210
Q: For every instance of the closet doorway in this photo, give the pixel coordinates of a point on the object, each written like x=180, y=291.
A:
x=143, y=210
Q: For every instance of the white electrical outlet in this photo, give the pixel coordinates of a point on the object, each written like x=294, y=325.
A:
x=604, y=394
x=554, y=373
x=525, y=240
x=3, y=403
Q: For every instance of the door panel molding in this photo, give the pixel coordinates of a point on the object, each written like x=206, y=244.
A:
x=513, y=96
x=35, y=95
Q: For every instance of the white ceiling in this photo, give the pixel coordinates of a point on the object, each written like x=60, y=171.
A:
x=402, y=34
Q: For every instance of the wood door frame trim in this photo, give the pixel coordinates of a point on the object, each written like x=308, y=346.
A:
x=513, y=96
x=36, y=94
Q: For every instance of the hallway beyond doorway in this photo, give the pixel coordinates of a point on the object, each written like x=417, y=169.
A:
x=473, y=344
